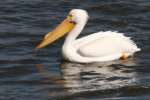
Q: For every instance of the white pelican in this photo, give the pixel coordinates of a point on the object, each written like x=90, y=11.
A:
x=97, y=47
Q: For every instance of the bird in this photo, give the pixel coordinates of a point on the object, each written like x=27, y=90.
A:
x=101, y=46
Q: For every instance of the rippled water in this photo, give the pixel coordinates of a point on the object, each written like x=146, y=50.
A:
x=26, y=74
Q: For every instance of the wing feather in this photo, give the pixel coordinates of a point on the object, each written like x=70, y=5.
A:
x=105, y=44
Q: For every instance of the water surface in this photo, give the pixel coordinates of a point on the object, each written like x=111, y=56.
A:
x=26, y=74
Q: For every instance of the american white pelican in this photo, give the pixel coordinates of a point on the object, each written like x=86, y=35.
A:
x=97, y=47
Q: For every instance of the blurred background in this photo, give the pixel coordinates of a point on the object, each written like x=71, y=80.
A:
x=27, y=74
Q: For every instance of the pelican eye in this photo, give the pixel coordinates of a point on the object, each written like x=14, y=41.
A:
x=70, y=19
x=69, y=16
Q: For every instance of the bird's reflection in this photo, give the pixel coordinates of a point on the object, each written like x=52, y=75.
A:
x=97, y=76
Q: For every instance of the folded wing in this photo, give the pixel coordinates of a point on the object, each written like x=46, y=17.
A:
x=105, y=44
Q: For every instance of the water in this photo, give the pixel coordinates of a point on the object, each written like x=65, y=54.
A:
x=26, y=74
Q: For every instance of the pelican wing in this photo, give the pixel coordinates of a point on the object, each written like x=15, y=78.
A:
x=103, y=44
x=87, y=39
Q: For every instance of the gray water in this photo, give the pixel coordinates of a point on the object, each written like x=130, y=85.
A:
x=26, y=74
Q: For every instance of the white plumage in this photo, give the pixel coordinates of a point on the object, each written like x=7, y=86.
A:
x=107, y=43
x=97, y=47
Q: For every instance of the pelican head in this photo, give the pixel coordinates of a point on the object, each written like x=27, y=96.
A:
x=74, y=17
x=78, y=15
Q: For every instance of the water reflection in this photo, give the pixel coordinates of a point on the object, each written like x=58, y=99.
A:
x=76, y=78
x=98, y=76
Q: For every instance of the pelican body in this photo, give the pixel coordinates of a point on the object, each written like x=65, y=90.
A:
x=96, y=47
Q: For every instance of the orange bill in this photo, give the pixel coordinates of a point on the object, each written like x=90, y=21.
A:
x=63, y=28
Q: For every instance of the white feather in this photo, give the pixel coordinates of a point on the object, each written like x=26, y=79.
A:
x=97, y=47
